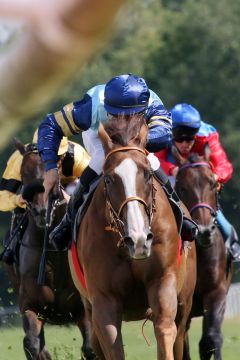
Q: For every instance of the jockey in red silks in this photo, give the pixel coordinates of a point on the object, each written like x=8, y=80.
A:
x=190, y=135
x=124, y=95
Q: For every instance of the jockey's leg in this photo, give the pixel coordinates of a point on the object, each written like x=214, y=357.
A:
x=61, y=236
x=11, y=242
x=230, y=235
x=189, y=228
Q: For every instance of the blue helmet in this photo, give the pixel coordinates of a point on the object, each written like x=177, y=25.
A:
x=126, y=95
x=186, y=120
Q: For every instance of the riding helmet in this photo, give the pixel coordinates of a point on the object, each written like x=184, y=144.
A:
x=186, y=120
x=126, y=95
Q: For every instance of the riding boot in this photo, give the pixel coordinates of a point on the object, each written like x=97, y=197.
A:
x=7, y=256
x=12, y=238
x=234, y=246
x=189, y=228
x=61, y=236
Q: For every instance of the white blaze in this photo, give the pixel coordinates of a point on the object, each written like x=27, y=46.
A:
x=127, y=171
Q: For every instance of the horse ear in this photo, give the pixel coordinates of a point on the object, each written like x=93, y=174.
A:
x=19, y=146
x=180, y=160
x=105, y=138
x=143, y=133
x=207, y=151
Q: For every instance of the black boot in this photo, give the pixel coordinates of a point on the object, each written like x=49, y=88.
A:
x=61, y=236
x=234, y=246
x=7, y=256
x=189, y=229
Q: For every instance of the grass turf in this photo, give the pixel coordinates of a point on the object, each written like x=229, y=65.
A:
x=64, y=342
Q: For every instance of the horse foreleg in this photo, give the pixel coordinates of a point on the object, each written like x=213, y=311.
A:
x=162, y=298
x=85, y=329
x=107, y=319
x=34, y=342
x=211, y=341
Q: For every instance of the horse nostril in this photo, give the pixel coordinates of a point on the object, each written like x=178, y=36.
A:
x=213, y=227
x=128, y=241
x=150, y=236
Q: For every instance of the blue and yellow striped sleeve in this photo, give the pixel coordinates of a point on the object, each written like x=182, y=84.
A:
x=160, y=127
x=71, y=119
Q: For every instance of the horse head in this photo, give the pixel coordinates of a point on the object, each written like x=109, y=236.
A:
x=128, y=183
x=32, y=172
x=197, y=188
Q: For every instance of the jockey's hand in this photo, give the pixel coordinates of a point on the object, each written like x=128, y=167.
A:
x=51, y=183
x=20, y=202
x=216, y=177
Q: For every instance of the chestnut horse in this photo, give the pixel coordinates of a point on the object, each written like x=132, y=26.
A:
x=198, y=189
x=129, y=250
x=57, y=301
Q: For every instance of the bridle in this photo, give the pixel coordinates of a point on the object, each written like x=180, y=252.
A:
x=199, y=205
x=32, y=148
x=115, y=222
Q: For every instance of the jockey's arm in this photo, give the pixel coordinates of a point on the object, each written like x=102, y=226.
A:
x=11, y=183
x=160, y=127
x=218, y=157
x=81, y=160
x=71, y=119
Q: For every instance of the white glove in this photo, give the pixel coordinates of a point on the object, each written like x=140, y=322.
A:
x=154, y=162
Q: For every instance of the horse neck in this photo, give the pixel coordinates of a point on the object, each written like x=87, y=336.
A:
x=34, y=233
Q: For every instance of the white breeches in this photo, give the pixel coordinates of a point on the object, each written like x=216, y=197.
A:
x=94, y=147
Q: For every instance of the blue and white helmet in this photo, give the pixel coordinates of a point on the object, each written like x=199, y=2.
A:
x=126, y=95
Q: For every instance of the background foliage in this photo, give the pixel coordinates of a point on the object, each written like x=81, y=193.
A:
x=187, y=51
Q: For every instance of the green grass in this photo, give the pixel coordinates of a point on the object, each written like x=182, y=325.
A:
x=64, y=342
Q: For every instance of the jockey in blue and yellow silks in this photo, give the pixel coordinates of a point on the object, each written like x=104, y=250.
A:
x=125, y=95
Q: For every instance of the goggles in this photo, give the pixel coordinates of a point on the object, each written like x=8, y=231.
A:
x=184, y=138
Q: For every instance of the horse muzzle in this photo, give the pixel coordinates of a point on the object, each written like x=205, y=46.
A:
x=139, y=246
x=205, y=236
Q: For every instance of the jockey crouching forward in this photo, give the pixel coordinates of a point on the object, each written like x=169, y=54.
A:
x=72, y=159
x=190, y=134
x=125, y=95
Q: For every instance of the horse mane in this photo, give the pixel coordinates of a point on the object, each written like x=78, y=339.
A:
x=124, y=130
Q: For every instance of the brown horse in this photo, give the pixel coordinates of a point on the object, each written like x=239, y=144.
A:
x=129, y=250
x=57, y=301
x=197, y=188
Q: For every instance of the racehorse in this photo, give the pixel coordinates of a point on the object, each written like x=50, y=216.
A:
x=129, y=250
x=198, y=189
x=57, y=301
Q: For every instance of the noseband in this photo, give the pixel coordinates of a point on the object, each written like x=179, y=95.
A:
x=199, y=205
x=116, y=224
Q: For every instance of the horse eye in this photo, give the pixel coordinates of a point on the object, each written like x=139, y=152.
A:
x=108, y=180
x=147, y=175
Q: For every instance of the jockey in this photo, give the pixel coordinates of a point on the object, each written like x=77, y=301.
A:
x=72, y=160
x=190, y=134
x=123, y=95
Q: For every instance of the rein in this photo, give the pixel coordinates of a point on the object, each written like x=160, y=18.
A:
x=193, y=165
x=116, y=224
